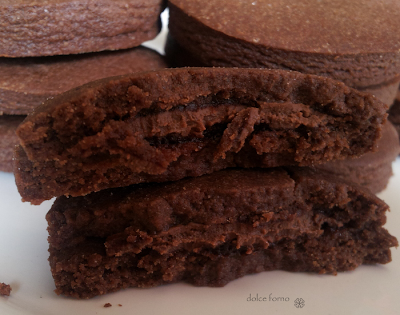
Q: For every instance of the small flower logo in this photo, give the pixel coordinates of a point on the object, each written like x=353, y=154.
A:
x=299, y=303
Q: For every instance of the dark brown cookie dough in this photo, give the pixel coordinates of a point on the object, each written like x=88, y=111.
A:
x=373, y=169
x=213, y=229
x=169, y=124
x=8, y=140
x=356, y=42
x=62, y=27
x=5, y=289
x=27, y=82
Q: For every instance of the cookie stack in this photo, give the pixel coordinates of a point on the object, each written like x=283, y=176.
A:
x=59, y=30
x=355, y=42
x=201, y=175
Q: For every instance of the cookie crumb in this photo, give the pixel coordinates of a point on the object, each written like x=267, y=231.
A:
x=107, y=305
x=5, y=289
x=119, y=304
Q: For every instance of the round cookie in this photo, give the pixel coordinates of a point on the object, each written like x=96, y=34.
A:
x=61, y=27
x=354, y=42
x=177, y=56
x=373, y=169
x=27, y=82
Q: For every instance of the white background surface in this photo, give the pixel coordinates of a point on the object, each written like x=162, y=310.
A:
x=23, y=265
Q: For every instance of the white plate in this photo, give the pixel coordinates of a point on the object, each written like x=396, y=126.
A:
x=23, y=265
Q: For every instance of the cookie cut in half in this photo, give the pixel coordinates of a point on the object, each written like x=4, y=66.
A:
x=213, y=229
x=169, y=124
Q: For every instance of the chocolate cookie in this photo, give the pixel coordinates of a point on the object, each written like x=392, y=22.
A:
x=8, y=140
x=169, y=124
x=354, y=42
x=62, y=27
x=179, y=57
x=213, y=229
x=27, y=82
x=373, y=169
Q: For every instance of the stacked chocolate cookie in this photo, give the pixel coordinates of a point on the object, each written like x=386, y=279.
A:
x=351, y=41
x=59, y=30
x=201, y=175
